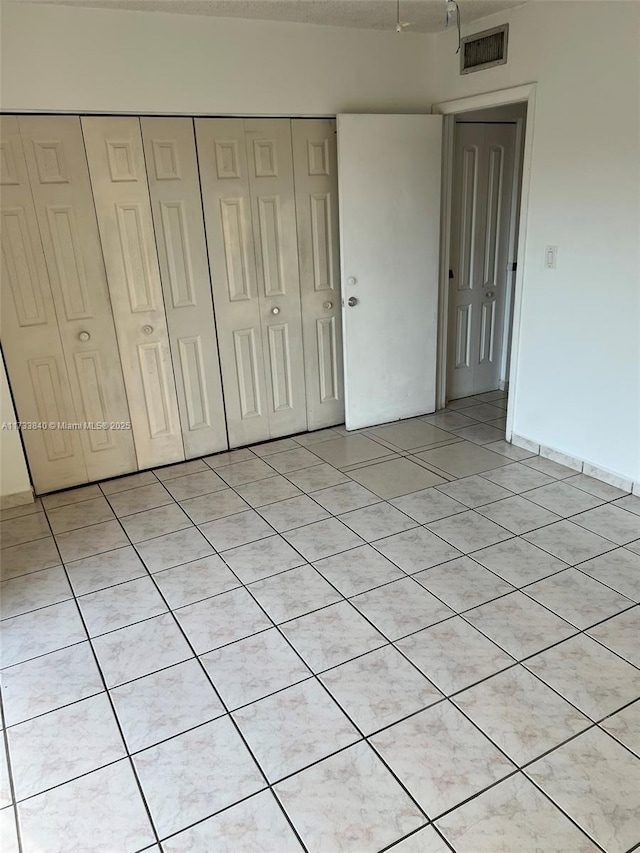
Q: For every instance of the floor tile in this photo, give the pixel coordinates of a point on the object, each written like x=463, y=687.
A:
x=194, y=485
x=221, y=460
x=307, y=439
x=519, y=625
x=423, y=749
x=517, y=514
x=379, y=688
x=577, y=598
x=562, y=499
x=358, y=570
x=520, y=714
x=8, y=831
x=483, y=412
x=513, y=815
x=461, y=403
x=62, y=745
x=256, y=825
x=377, y=521
x=332, y=636
x=79, y=815
x=518, y=561
x=293, y=593
x=395, y=477
x=462, y=583
x=621, y=634
x=181, y=469
x=401, y=607
x=592, y=678
x=292, y=513
x=235, y=530
x=634, y=546
x=518, y=478
x=253, y=668
x=349, y=450
x=191, y=776
x=411, y=434
x=595, y=487
x=425, y=840
x=262, y=492
x=40, y=631
x=474, y=491
x=549, y=467
x=155, y=522
x=173, y=549
x=468, y=531
x=49, y=682
x=510, y=450
x=625, y=726
x=71, y=496
x=77, y=515
x=322, y=539
x=292, y=460
x=569, y=542
x=481, y=433
x=164, y=704
x=220, y=620
x=345, y=497
x=245, y=472
x=29, y=592
x=261, y=559
x=121, y=605
x=453, y=655
x=140, y=649
x=131, y=481
x=463, y=459
x=139, y=499
x=216, y=505
x=595, y=781
x=616, y=524
x=21, y=509
x=416, y=549
x=348, y=802
x=619, y=569
x=428, y=505
x=294, y=728
x=631, y=503
x=194, y=581
x=271, y=447
x=21, y=559
x=91, y=540
x=321, y=476
x=448, y=420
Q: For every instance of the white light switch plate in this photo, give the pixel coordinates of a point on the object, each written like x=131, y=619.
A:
x=550, y=256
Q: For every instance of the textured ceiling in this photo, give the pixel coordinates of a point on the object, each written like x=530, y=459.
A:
x=425, y=16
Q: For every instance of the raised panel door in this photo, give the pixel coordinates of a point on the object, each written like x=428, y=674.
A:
x=316, y=190
x=174, y=187
x=29, y=328
x=57, y=166
x=118, y=178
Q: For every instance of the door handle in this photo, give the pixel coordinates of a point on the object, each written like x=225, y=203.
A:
x=352, y=302
x=275, y=310
x=147, y=329
x=489, y=294
x=84, y=337
x=328, y=305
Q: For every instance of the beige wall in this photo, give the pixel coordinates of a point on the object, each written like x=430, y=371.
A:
x=578, y=387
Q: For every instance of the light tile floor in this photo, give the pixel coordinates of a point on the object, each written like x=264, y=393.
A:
x=416, y=638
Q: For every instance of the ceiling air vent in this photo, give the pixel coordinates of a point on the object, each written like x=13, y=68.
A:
x=484, y=50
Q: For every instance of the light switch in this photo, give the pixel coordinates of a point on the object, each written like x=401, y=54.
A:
x=550, y=256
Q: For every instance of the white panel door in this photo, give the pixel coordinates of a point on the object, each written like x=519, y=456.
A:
x=222, y=158
x=57, y=166
x=316, y=186
x=118, y=178
x=174, y=187
x=270, y=161
x=29, y=327
x=484, y=162
x=389, y=169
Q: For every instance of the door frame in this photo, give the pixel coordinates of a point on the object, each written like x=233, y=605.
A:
x=449, y=109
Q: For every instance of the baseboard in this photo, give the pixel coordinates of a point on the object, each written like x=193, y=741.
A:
x=16, y=499
x=503, y=385
x=579, y=465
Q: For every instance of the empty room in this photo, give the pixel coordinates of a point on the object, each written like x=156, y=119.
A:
x=320, y=441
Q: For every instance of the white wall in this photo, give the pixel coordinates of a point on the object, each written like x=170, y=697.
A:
x=14, y=477
x=578, y=380
x=64, y=58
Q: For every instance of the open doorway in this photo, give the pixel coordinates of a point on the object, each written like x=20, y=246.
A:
x=483, y=238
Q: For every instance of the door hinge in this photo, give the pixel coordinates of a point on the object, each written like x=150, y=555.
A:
x=511, y=267
x=451, y=275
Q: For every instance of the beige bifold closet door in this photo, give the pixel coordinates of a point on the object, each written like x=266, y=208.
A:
x=119, y=181
x=246, y=171
x=316, y=186
x=172, y=171
x=58, y=336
